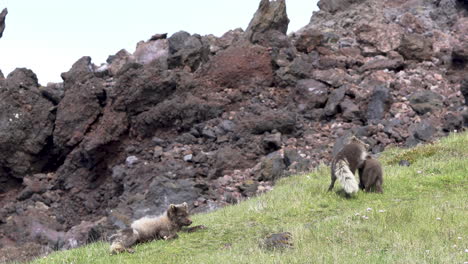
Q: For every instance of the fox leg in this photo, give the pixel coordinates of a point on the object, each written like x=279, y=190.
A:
x=361, y=178
x=333, y=179
x=194, y=228
x=378, y=186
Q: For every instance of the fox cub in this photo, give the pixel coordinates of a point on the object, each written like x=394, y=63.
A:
x=150, y=228
x=371, y=175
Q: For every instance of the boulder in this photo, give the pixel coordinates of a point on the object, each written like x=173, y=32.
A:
x=187, y=50
x=227, y=159
x=384, y=37
x=149, y=51
x=422, y=132
x=84, y=233
x=425, y=101
x=272, y=167
x=270, y=16
x=333, y=77
x=334, y=99
x=278, y=241
x=452, y=121
x=381, y=63
x=308, y=40
x=26, y=124
x=22, y=78
x=310, y=94
x=80, y=70
x=295, y=161
x=81, y=105
x=163, y=191
x=350, y=110
x=118, y=61
x=282, y=121
x=241, y=65
x=379, y=103
x=415, y=47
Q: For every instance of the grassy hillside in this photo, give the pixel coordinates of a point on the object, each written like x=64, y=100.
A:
x=422, y=217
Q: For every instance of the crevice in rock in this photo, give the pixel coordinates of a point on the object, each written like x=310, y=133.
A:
x=52, y=159
x=458, y=62
x=102, y=98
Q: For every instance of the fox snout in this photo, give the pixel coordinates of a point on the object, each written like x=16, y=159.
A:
x=185, y=221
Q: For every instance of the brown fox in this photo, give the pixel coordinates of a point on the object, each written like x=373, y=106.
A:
x=150, y=228
x=371, y=175
x=345, y=163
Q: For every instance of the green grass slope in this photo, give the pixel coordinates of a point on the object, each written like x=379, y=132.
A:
x=422, y=217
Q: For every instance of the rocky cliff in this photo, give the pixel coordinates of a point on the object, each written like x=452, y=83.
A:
x=211, y=121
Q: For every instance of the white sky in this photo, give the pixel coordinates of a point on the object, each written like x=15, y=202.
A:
x=48, y=36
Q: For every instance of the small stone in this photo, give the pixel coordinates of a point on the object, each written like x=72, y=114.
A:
x=157, y=141
x=277, y=241
x=404, y=163
x=131, y=160
x=208, y=133
x=188, y=157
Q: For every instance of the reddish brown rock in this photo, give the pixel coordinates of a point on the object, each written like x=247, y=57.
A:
x=308, y=40
x=384, y=38
x=240, y=65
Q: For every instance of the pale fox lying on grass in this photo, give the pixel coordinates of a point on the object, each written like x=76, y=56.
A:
x=150, y=228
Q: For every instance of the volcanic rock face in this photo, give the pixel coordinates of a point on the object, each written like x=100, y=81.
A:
x=211, y=121
x=27, y=120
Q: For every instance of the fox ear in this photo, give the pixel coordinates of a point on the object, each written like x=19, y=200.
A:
x=185, y=205
x=171, y=210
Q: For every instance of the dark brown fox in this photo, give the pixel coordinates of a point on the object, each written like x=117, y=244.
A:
x=371, y=176
x=345, y=163
x=150, y=228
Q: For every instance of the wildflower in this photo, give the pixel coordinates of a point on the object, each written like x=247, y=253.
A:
x=419, y=172
x=381, y=211
x=459, y=238
x=357, y=214
x=369, y=209
x=438, y=219
x=365, y=217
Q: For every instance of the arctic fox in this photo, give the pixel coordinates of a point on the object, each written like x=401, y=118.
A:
x=150, y=228
x=345, y=163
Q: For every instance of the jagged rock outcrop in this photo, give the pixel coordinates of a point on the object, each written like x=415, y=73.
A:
x=26, y=125
x=2, y=21
x=270, y=20
x=211, y=121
